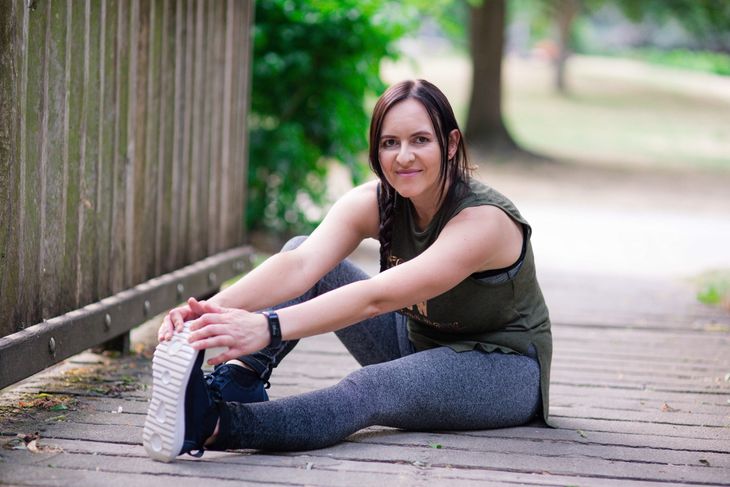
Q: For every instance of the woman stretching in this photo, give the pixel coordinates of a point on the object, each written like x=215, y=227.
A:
x=452, y=334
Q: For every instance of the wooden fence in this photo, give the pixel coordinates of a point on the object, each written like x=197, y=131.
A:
x=122, y=150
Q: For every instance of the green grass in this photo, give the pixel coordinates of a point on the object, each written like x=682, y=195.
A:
x=714, y=288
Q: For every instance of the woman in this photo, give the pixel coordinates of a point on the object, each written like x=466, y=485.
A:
x=453, y=333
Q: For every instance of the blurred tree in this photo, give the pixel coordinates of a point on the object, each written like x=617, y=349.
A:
x=485, y=128
x=707, y=20
x=314, y=64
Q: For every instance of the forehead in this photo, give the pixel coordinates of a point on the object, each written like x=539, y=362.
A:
x=408, y=115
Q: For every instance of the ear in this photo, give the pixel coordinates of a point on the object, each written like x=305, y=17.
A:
x=454, y=138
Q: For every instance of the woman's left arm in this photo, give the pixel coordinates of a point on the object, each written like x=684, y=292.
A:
x=476, y=239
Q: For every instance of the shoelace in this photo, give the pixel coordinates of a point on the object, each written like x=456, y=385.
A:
x=214, y=387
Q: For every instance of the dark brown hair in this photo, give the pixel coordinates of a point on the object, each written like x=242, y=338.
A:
x=452, y=171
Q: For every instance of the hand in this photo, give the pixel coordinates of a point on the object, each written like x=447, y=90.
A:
x=174, y=319
x=238, y=330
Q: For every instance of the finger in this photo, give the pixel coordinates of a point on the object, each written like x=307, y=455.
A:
x=208, y=331
x=212, y=342
x=206, y=320
x=210, y=307
x=224, y=357
x=177, y=320
x=196, y=307
x=165, y=332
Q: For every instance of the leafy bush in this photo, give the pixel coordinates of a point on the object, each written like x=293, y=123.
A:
x=314, y=65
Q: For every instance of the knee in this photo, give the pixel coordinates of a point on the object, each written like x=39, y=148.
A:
x=293, y=243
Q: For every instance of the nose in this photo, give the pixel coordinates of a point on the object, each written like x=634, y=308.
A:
x=405, y=155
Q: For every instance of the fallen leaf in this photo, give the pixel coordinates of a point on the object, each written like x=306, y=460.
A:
x=32, y=446
x=666, y=408
x=704, y=462
x=435, y=445
x=582, y=433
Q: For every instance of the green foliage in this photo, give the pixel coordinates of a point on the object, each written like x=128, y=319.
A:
x=314, y=64
x=714, y=288
x=710, y=62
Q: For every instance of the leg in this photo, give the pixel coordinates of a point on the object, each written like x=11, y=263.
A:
x=437, y=389
x=372, y=341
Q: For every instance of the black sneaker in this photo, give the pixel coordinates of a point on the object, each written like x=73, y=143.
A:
x=183, y=411
x=237, y=384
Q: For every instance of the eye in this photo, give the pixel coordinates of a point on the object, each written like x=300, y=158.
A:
x=421, y=139
x=388, y=143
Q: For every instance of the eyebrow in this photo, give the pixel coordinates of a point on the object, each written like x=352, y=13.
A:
x=414, y=134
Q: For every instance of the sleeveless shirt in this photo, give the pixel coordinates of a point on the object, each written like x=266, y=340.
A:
x=505, y=317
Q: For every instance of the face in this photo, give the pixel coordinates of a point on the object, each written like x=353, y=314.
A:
x=409, y=152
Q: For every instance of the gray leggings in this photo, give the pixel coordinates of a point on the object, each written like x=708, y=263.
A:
x=435, y=389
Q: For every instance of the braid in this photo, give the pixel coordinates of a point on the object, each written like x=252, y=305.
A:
x=386, y=204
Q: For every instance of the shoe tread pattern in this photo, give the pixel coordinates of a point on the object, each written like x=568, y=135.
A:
x=164, y=429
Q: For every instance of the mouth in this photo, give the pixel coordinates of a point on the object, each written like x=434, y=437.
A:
x=408, y=172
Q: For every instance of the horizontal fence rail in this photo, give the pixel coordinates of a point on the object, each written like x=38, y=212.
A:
x=122, y=146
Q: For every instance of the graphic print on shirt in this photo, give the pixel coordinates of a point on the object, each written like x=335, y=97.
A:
x=419, y=311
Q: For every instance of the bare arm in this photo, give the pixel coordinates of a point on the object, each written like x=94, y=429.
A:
x=287, y=275
x=477, y=238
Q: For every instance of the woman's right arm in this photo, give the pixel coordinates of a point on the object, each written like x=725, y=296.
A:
x=286, y=275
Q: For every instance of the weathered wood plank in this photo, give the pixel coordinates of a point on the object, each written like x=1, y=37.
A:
x=54, y=164
x=197, y=92
x=32, y=137
x=216, y=59
x=166, y=165
x=106, y=162
x=120, y=166
x=140, y=230
x=184, y=201
x=11, y=80
x=87, y=253
x=155, y=142
x=74, y=136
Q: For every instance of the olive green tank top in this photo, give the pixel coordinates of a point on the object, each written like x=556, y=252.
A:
x=506, y=315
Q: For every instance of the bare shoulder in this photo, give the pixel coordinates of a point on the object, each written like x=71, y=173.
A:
x=358, y=208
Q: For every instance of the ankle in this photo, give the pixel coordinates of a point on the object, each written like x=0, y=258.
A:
x=214, y=436
x=240, y=364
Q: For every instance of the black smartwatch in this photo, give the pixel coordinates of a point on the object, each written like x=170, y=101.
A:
x=274, y=327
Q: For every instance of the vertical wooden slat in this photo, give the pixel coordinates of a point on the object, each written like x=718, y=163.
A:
x=132, y=162
x=243, y=104
x=54, y=172
x=140, y=230
x=216, y=69
x=235, y=120
x=11, y=62
x=107, y=144
x=87, y=257
x=121, y=161
x=205, y=164
x=177, y=242
x=32, y=134
x=183, y=199
x=226, y=212
x=168, y=103
x=194, y=172
x=247, y=65
x=74, y=154
x=149, y=240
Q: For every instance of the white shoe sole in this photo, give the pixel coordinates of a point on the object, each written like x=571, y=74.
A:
x=164, y=428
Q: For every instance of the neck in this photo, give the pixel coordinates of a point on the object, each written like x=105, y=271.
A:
x=425, y=211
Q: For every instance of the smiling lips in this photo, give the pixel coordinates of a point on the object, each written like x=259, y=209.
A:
x=408, y=172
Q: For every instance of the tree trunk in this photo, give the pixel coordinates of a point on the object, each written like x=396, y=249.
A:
x=485, y=129
x=565, y=12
